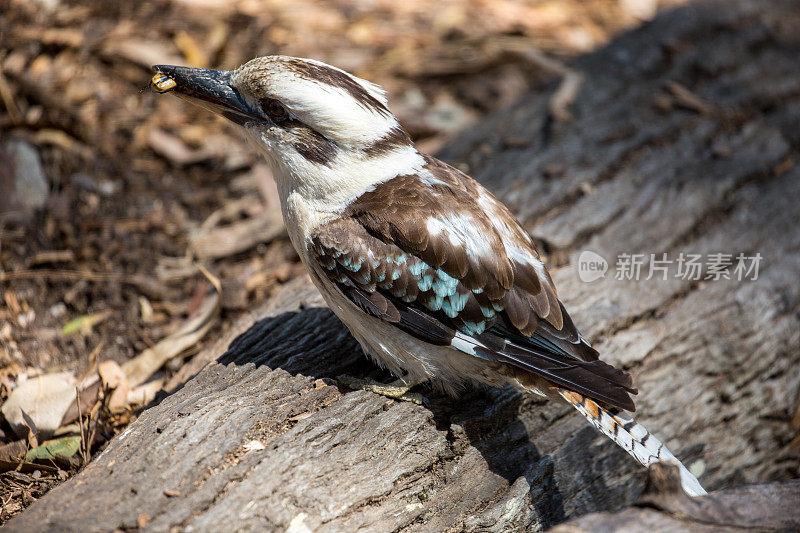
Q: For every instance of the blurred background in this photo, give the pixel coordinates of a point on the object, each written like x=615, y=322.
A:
x=124, y=214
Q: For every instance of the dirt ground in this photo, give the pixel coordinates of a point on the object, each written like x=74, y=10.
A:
x=144, y=192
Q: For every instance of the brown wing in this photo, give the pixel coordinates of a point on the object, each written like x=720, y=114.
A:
x=450, y=221
x=402, y=289
x=384, y=280
x=436, y=255
x=441, y=225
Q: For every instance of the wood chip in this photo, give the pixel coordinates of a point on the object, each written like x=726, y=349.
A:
x=173, y=149
x=143, y=520
x=52, y=256
x=229, y=240
x=688, y=100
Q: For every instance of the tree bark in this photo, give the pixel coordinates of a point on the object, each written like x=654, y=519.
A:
x=684, y=138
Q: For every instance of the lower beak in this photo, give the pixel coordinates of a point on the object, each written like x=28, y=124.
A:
x=211, y=89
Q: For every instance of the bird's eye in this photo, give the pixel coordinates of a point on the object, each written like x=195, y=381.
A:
x=276, y=110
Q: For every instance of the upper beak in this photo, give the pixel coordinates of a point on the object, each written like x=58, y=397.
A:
x=211, y=89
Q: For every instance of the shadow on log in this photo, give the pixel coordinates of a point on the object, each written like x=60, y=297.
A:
x=684, y=140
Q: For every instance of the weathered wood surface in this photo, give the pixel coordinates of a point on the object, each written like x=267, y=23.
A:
x=664, y=506
x=644, y=167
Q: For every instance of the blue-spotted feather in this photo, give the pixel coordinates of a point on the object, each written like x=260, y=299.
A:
x=386, y=271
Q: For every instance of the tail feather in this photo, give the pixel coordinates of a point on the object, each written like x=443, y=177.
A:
x=631, y=437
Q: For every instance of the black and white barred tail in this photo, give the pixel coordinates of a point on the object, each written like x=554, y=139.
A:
x=631, y=437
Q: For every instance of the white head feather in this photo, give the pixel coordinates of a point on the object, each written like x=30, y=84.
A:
x=349, y=114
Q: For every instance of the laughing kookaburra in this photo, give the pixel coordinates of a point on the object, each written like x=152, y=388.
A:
x=431, y=273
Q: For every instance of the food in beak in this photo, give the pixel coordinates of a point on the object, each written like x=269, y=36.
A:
x=163, y=83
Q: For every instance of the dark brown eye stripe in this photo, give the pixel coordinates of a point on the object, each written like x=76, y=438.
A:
x=311, y=144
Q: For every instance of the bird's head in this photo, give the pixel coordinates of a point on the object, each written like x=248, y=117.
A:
x=308, y=118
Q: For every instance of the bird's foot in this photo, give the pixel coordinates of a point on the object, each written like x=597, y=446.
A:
x=398, y=390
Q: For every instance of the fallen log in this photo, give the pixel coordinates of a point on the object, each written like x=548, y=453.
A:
x=683, y=139
x=664, y=506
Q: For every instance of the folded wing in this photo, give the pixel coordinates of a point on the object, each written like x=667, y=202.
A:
x=437, y=256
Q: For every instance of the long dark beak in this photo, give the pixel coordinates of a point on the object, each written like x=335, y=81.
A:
x=211, y=89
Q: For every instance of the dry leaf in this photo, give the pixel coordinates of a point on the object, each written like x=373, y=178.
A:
x=89, y=393
x=44, y=399
x=13, y=451
x=146, y=310
x=118, y=399
x=217, y=37
x=111, y=374
x=12, y=302
x=65, y=446
x=114, y=379
x=26, y=467
x=144, y=394
x=30, y=430
x=146, y=363
x=254, y=446
x=63, y=140
x=84, y=323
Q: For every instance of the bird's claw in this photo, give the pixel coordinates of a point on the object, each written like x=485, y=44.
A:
x=398, y=390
